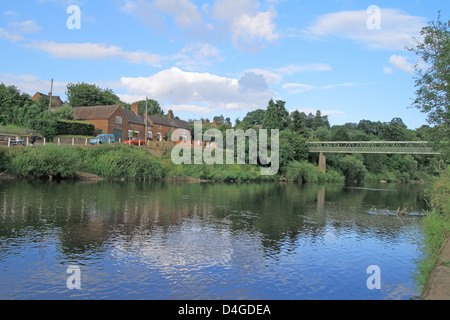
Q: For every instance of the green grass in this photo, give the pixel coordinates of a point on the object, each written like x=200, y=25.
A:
x=435, y=227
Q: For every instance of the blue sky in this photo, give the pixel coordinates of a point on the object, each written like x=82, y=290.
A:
x=206, y=58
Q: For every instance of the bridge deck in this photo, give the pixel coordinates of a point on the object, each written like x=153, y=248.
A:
x=391, y=147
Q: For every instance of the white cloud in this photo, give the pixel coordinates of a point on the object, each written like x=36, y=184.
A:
x=197, y=55
x=31, y=84
x=205, y=90
x=242, y=21
x=184, y=13
x=297, y=87
x=397, y=28
x=401, y=63
x=387, y=70
x=9, y=36
x=276, y=75
x=300, y=87
x=95, y=51
x=29, y=26
x=252, y=32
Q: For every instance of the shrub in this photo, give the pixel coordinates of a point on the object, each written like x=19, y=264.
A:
x=123, y=162
x=304, y=172
x=353, y=168
x=44, y=162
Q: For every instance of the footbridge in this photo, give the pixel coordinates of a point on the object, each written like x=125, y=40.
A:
x=383, y=147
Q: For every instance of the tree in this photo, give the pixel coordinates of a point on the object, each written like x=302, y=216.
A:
x=298, y=122
x=341, y=134
x=276, y=116
x=11, y=100
x=292, y=147
x=432, y=81
x=255, y=117
x=89, y=95
x=153, y=108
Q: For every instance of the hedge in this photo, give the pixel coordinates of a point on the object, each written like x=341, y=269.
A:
x=74, y=128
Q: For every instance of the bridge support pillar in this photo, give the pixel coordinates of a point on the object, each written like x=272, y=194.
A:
x=323, y=162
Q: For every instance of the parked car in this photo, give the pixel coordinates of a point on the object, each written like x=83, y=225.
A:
x=17, y=142
x=135, y=141
x=103, y=138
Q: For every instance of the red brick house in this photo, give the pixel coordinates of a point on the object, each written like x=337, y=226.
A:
x=56, y=100
x=116, y=120
x=161, y=127
x=124, y=123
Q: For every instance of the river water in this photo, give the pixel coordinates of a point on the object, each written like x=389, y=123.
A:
x=207, y=241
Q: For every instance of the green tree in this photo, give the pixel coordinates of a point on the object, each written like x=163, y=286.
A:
x=341, y=134
x=353, y=168
x=276, y=116
x=153, y=108
x=292, y=147
x=255, y=117
x=89, y=95
x=432, y=80
x=298, y=123
x=11, y=100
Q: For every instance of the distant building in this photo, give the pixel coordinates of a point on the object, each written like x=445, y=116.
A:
x=56, y=100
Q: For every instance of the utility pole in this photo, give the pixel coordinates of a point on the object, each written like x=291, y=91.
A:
x=50, y=96
x=145, y=120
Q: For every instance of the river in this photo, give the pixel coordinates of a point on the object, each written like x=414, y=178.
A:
x=207, y=241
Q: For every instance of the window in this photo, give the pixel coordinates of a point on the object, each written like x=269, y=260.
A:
x=171, y=128
x=149, y=135
x=158, y=137
x=118, y=120
x=100, y=131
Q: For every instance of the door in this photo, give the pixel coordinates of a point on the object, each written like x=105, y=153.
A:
x=118, y=134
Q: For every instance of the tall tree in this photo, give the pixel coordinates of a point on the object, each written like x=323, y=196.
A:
x=276, y=116
x=432, y=81
x=298, y=123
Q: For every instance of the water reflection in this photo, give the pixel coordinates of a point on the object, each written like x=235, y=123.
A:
x=275, y=241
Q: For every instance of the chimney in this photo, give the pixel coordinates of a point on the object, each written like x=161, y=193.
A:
x=135, y=107
x=207, y=121
x=170, y=114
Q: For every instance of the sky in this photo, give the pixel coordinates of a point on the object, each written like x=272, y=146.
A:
x=202, y=59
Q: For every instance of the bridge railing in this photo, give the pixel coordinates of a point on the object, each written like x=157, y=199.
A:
x=391, y=147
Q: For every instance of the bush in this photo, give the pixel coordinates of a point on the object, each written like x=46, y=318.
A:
x=353, y=168
x=304, y=172
x=44, y=162
x=122, y=162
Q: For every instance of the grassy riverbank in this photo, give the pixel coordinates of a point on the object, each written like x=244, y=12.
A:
x=436, y=227
x=119, y=162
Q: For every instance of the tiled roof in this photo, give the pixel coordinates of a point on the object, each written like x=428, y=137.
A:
x=176, y=123
x=98, y=112
x=133, y=117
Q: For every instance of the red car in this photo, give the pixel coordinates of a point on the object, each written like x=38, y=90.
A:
x=135, y=142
